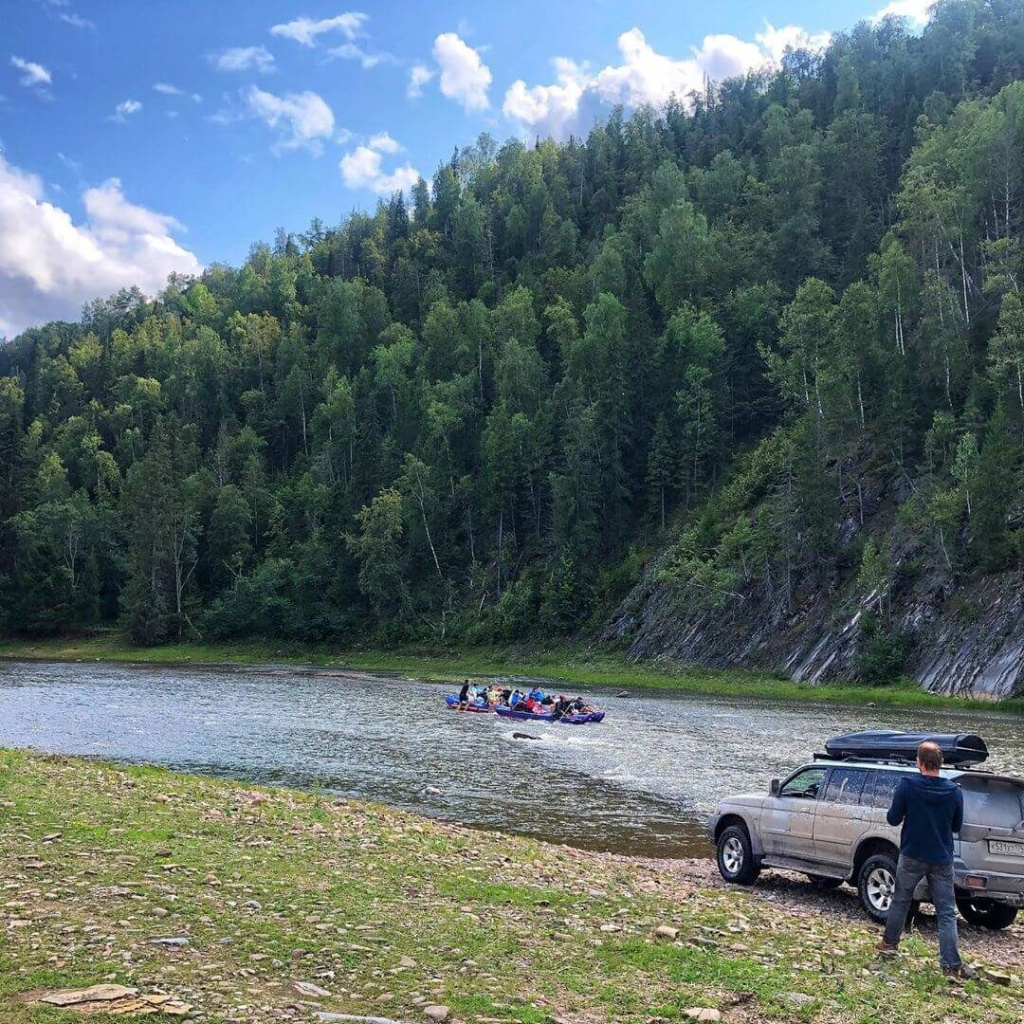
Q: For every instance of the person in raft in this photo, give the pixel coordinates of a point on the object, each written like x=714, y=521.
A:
x=464, y=696
x=930, y=809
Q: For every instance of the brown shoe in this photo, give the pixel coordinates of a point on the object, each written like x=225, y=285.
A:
x=884, y=949
x=961, y=971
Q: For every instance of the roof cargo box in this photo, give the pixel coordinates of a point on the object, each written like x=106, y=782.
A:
x=957, y=748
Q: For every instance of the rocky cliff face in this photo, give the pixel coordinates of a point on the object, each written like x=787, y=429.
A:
x=968, y=640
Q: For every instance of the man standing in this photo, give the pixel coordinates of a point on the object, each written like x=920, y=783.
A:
x=930, y=809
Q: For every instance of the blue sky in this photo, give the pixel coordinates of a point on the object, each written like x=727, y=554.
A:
x=138, y=137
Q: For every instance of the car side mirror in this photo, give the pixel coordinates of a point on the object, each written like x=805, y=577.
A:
x=776, y=787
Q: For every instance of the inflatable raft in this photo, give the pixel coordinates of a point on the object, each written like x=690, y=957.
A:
x=532, y=716
x=479, y=706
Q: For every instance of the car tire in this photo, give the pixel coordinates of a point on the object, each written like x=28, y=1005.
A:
x=825, y=884
x=983, y=913
x=876, y=885
x=735, y=857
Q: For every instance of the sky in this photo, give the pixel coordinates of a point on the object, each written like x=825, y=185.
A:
x=138, y=139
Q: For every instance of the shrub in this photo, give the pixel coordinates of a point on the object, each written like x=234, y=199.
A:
x=879, y=659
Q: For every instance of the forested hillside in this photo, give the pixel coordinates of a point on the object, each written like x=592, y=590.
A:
x=770, y=337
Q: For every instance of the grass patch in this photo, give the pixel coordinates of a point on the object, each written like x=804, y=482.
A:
x=388, y=913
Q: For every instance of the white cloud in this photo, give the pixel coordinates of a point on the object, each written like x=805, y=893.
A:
x=917, y=12
x=306, y=30
x=644, y=76
x=361, y=169
x=776, y=41
x=166, y=89
x=366, y=58
x=244, y=58
x=464, y=76
x=33, y=74
x=50, y=266
x=419, y=75
x=300, y=119
x=70, y=18
x=383, y=143
x=125, y=109
x=552, y=109
x=60, y=10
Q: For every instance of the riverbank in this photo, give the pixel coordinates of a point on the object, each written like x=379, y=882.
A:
x=253, y=904
x=575, y=667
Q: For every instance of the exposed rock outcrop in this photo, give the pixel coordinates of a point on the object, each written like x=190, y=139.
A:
x=969, y=641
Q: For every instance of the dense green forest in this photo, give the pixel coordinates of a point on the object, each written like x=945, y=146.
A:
x=476, y=414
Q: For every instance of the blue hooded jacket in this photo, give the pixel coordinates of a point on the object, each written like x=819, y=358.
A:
x=930, y=809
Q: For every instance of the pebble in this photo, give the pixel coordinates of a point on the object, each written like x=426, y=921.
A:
x=307, y=988
x=798, y=998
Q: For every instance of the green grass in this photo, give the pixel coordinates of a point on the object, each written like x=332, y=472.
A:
x=580, y=667
x=388, y=912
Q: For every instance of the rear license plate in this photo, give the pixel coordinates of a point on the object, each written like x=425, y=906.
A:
x=1006, y=849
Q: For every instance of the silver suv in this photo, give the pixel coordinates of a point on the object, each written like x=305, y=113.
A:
x=827, y=820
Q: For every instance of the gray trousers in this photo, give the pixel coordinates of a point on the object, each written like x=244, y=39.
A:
x=909, y=873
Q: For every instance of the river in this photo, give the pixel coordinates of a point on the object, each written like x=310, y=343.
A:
x=641, y=782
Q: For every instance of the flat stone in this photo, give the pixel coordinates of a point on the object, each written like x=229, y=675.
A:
x=666, y=931
x=798, y=998
x=174, y=942
x=352, y=1018
x=307, y=988
x=994, y=976
x=706, y=1013
x=95, y=994
x=437, y=1012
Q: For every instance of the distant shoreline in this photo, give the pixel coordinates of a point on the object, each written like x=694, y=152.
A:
x=577, y=667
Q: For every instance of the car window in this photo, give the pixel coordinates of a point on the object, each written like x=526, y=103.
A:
x=845, y=785
x=993, y=803
x=805, y=784
x=878, y=789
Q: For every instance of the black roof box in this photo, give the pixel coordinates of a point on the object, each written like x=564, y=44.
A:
x=957, y=748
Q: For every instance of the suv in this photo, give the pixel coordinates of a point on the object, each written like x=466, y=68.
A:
x=828, y=820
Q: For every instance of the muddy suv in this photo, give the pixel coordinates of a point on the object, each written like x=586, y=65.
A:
x=827, y=819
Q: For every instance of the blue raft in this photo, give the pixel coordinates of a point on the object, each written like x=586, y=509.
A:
x=530, y=716
x=481, y=707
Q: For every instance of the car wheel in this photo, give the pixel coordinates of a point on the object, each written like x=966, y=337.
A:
x=824, y=883
x=984, y=913
x=736, y=856
x=876, y=884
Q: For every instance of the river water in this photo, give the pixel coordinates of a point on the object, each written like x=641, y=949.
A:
x=641, y=782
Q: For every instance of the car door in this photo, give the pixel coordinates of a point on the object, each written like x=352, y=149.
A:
x=875, y=801
x=788, y=819
x=839, y=821
x=992, y=837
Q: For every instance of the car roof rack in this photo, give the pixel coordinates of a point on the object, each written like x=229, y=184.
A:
x=958, y=749
x=896, y=762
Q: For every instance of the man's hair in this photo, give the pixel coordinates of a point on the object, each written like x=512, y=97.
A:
x=930, y=756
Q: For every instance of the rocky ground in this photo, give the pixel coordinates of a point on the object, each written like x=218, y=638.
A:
x=189, y=897
x=796, y=896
